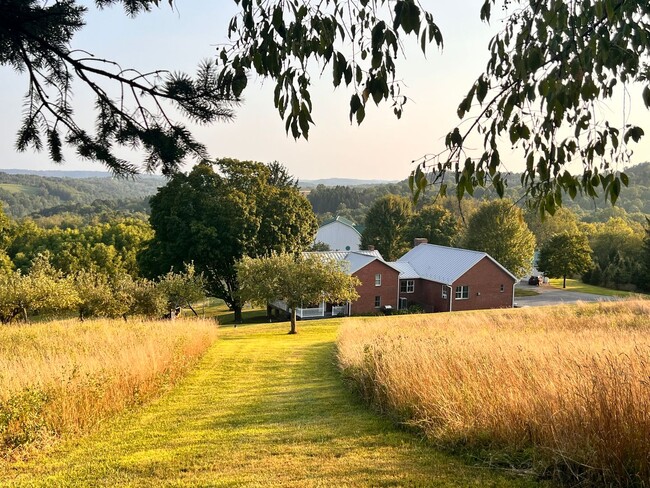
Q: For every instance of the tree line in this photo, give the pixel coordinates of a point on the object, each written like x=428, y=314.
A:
x=614, y=253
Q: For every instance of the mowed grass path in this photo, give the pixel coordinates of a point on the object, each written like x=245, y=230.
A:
x=262, y=409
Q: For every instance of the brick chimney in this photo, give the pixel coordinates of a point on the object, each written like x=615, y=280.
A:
x=371, y=247
x=420, y=240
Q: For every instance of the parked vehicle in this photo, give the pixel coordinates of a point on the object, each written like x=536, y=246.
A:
x=533, y=280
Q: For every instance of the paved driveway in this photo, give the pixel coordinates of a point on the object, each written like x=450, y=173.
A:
x=556, y=296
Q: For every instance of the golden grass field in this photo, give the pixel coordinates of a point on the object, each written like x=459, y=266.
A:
x=66, y=376
x=564, y=391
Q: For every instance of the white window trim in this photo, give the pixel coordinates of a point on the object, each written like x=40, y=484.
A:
x=462, y=288
x=444, y=292
x=378, y=306
x=378, y=279
x=406, y=282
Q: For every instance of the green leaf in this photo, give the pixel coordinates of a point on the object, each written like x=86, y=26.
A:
x=646, y=96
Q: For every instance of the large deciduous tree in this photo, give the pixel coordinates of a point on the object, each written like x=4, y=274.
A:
x=386, y=224
x=565, y=254
x=498, y=228
x=214, y=218
x=437, y=224
x=295, y=279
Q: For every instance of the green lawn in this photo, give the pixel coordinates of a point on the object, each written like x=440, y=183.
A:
x=262, y=409
x=579, y=286
x=525, y=292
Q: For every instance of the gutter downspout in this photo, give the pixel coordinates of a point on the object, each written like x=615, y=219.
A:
x=449, y=286
x=512, y=305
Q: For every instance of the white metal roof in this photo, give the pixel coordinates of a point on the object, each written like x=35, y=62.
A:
x=355, y=259
x=443, y=264
x=406, y=271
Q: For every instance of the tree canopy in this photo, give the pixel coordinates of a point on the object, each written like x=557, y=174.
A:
x=386, y=224
x=295, y=279
x=35, y=39
x=215, y=217
x=498, y=228
x=547, y=70
x=565, y=254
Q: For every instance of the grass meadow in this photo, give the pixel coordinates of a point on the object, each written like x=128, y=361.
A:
x=560, y=391
x=261, y=408
x=64, y=377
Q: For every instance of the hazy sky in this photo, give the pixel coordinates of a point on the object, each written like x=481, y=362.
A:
x=381, y=148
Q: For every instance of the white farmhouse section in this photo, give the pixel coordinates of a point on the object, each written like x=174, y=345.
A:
x=340, y=235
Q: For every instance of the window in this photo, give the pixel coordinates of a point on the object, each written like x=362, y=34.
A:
x=407, y=286
x=444, y=292
x=378, y=279
x=462, y=292
x=403, y=304
x=502, y=288
x=377, y=301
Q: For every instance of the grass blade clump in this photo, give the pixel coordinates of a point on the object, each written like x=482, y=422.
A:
x=66, y=376
x=563, y=390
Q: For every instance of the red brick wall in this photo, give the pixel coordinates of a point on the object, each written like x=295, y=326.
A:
x=484, y=281
x=367, y=291
x=428, y=295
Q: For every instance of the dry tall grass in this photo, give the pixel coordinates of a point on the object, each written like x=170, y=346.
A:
x=571, y=384
x=66, y=376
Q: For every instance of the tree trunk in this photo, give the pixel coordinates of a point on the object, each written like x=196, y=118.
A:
x=24, y=314
x=564, y=283
x=293, y=321
x=190, y=305
x=238, y=316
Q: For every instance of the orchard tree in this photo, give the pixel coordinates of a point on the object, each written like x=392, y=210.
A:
x=296, y=279
x=42, y=290
x=181, y=289
x=386, y=225
x=214, y=218
x=498, y=228
x=565, y=254
x=436, y=223
x=5, y=263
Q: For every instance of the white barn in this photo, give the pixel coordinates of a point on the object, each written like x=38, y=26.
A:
x=339, y=234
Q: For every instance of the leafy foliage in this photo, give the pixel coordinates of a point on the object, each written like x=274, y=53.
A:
x=181, y=289
x=548, y=69
x=435, y=223
x=358, y=41
x=386, y=224
x=565, y=254
x=213, y=219
x=498, y=228
x=42, y=290
x=35, y=39
x=295, y=279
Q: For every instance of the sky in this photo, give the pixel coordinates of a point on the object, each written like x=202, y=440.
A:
x=383, y=147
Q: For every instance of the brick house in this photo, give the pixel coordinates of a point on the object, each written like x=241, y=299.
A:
x=378, y=290
x=445, y=279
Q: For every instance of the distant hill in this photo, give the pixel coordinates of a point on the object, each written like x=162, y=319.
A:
x=342, y=182
x=55, y=173
x=25, y=194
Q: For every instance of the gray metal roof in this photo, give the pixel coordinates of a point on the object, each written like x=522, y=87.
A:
x=355, y=259
x=406, y=271
x=443, y=264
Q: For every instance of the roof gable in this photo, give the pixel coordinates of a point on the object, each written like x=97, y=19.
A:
x=341, y=221
x=355, y=259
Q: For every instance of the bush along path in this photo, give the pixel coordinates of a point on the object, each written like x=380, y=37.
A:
x=261, y=409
